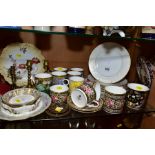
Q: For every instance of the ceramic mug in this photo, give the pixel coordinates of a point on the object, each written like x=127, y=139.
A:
x=62, y=69
x=74, y=82
x=136, y=96
x=73, y=73
x=114, y=99
x=59, y=94
x=43, y=82
x=59, y=77
x=86, y=95
x=78, y=70
x=42, y=28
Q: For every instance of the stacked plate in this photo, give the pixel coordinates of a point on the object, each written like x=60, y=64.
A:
x=23, y=103
x=145, y=70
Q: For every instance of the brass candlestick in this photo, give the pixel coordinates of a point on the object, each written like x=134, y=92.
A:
x=13, y=76
x=29, y=68
x=46, y=65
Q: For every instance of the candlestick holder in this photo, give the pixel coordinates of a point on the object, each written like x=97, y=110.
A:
x=46, y=65
x=29, y=69
x=13, y=76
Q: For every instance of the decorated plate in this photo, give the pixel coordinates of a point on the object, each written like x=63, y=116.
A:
x=85, y=109
x=109, y=62
x=43, y=104
x=17, y=54
x=143, y=72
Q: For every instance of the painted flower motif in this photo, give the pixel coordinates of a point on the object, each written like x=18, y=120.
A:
x=87, y=89
x=21, y=66
x=54, y=98
x=35, y=60
x=109, y=103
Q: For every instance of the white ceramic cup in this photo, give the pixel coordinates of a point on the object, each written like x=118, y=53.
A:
x=59, y=77
x=78, y=70
x=73, y=73
x=42, y=28
x=62, y=69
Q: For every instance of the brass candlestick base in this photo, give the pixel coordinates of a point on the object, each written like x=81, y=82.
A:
x=29, y=68
x=46, y=66
x=13, y=76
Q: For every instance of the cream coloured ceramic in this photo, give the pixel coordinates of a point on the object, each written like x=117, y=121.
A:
x=42, y=28
x=59, y=77
x=114, y=99
x=21, y=97
x=62, y=69
x=73, y=73
x=17, y=54
x=43, y=82
x=43, y=104
x=79, y=98
x=136, y=96
x=109, y=62
x=74, y=82
x=78, y=70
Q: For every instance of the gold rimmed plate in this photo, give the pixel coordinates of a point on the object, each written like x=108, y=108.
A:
x=85, y=109
x=17, y=54
x=43, y=104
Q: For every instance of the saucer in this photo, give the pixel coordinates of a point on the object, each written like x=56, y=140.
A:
x=85, y=109
x=43, y=104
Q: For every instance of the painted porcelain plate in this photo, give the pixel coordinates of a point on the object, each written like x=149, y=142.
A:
x=109, y=62
x=143, y=72
x=44, y=104
x=17, y=54
x=85, y=109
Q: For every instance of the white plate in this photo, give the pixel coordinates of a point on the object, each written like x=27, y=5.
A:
x=44, y=103
x=109, y=62
x=17, y=54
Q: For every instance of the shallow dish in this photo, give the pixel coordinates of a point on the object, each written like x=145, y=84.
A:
x=20, y=97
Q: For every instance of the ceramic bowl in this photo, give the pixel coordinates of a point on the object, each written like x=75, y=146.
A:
x=73, y=73
x=21, y=97
x=62, y=69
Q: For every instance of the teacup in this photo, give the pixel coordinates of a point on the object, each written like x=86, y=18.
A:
x=59, y=77
x=114, y=99
x=74, y=82
x=43, y=82
x=73, y=73
x=78, y=70
x=59, y=94
x=136, y=96
x=86, y=95
x=62, y=69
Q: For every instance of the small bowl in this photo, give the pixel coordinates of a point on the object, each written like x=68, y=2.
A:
x=21, y=97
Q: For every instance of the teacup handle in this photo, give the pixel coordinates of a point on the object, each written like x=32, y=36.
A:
x=65, y=82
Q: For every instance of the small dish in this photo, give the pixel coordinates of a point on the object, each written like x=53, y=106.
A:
x=21, y=97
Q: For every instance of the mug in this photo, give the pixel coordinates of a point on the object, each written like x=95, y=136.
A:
x=136, y=96
x=78, y=70
x=62, y=69
x=74, y=82
x=43, y=82
x=73, y=73
x=114, y=99
x=42, y=28
x=59, y=77
x=59, y=94
x=86, y=95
